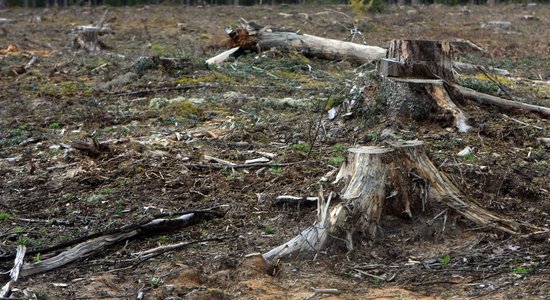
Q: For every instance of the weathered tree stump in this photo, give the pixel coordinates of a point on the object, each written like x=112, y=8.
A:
x=87, y=38
x=399, y=180
x=413, y=82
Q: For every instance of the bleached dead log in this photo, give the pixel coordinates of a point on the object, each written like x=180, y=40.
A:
x=222, y=57
x=318, y=47
x=14, y=272
x=500, y=102
x=398, y=180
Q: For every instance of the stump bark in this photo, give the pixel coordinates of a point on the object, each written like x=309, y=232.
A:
x=399, y=180
x=413, y=85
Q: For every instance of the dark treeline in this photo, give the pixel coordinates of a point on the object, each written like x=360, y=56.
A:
x=67, y=3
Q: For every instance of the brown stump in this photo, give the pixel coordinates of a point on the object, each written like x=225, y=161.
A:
x=398, y=180
x=413, y=83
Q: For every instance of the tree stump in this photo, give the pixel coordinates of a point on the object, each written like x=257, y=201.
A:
x=87, y=38
x=413, y=85
x=399, y=180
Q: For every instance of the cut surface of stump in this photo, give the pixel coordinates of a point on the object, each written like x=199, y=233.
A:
x=399, y=180
x=413, y=84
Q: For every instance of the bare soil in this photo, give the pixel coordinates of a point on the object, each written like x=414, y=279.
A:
x=250, y=106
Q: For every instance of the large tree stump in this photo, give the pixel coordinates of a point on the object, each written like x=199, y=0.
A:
x=413, y=84
x=399, y=180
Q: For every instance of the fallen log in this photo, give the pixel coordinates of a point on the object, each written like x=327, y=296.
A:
x=500, y=102
x=399, y=180
x=469, y=69
x=98, y=243
x=313, y=46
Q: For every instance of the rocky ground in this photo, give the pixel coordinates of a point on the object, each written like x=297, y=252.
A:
x=155, y=123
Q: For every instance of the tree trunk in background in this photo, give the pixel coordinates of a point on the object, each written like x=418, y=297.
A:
x=2, y=4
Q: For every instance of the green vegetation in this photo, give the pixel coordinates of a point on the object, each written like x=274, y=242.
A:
x=337, y=160
x=445, y=260
x=361, y=7
x=522, y=270
x=269, y=230
x=276, y=170
x=339, y=148
x=106, y=191
x=55, y=126
x=96, y=198
x=154, y=282
x=4, y=216
x=469, y=157
x=25, y=241
x=372, y=136
x=37, y=258
x=41, y=295
x=301, y=147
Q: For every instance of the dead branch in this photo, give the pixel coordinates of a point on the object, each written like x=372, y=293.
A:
x=94, y=243
x=239, y=166
x=500, y=102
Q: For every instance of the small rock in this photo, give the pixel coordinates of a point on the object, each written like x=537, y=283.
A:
x=412, y=12
x=332, y=113
x=465, y=151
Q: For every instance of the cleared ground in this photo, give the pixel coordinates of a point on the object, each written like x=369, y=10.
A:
x=251, y=106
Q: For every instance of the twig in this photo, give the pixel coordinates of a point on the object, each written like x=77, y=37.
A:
x=435, y=282
x=218, y=160
x=148, y=254
x=321, y=114
x=240, y=166
x=495, y=81
x=522, y=123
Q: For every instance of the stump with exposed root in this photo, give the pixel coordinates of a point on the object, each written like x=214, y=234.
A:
x=397, y=180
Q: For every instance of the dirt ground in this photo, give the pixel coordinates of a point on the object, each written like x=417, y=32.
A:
x=154, y=124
